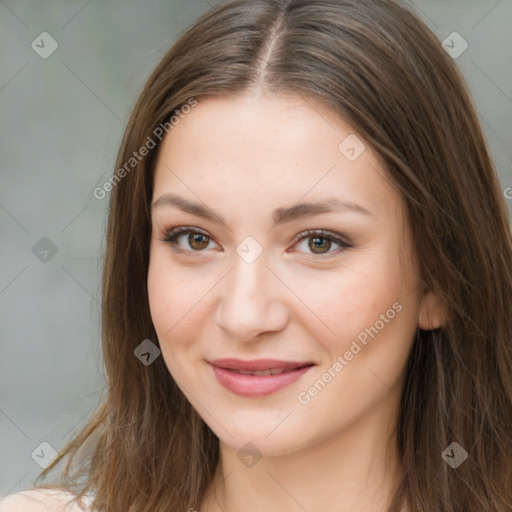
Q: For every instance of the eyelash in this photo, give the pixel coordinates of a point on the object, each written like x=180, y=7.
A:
x=173, y=233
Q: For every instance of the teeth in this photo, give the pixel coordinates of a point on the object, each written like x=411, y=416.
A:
x=270, y=371
x=259, y=372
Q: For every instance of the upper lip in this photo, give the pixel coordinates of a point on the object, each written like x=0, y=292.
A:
x=257, y=364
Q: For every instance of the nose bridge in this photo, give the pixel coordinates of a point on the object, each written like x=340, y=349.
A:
x=250, y=301
x=249, y=279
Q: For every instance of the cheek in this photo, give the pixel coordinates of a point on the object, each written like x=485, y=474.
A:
x=175, y=306
x=351, y=299
x=161, y=294
x=373, y=310
x=175, y=293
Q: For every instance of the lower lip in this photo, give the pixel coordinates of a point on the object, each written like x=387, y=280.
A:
x=256, y=385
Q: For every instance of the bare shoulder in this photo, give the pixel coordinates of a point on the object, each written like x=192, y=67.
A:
x=41, y=500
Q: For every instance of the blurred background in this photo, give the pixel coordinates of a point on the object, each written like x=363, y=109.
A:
x=70, y=73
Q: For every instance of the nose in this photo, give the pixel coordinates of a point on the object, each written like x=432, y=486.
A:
x=251, y=301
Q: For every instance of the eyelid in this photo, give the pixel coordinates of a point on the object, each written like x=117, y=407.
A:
x=324, y=233
x=342, y=241
x=173, y=232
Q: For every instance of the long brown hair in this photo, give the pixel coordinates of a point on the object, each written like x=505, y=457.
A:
x=377, y=66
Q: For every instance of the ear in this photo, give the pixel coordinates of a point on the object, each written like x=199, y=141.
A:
x=432, y=314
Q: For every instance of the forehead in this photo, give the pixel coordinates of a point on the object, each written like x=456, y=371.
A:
x=268, y=151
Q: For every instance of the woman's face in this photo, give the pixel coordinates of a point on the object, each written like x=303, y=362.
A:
x=256, y=179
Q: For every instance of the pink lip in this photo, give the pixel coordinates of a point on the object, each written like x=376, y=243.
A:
x=256, y=385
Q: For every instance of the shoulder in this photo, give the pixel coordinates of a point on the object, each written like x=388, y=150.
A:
x=41, y=500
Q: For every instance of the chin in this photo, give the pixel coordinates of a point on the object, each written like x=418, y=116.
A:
x=256, y=443
x=258, y=436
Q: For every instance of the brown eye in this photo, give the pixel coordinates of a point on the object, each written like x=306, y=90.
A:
x=198, y=241
x=319, y=244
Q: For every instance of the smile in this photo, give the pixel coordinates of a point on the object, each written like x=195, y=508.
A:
x=259, y=377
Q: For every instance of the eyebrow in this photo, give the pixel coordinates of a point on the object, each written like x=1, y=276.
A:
x=279, y=216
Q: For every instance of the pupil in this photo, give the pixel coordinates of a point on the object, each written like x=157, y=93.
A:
x=195, y=238
x=317, y=245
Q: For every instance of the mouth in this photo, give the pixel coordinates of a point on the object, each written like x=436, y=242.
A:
x=258, y=377
x=270, y=371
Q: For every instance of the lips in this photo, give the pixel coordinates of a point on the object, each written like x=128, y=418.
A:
x=257, y=365
x=258, y=377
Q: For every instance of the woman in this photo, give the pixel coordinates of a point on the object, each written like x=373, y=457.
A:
x=307, y=286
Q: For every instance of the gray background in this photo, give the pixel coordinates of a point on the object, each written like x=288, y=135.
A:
x=61, y=122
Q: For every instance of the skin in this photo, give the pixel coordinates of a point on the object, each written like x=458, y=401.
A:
x=243, y=157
